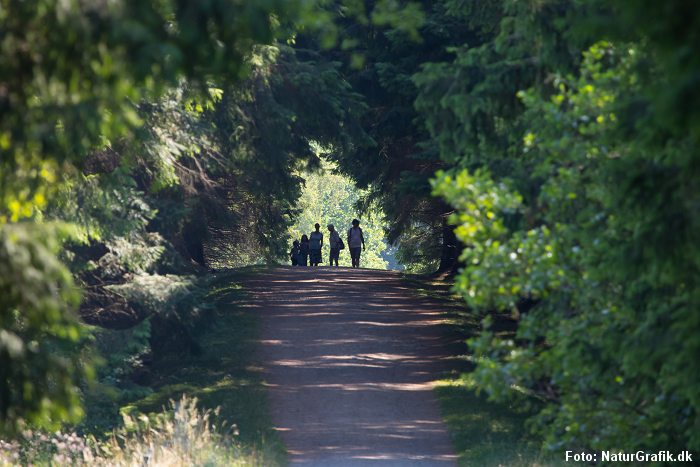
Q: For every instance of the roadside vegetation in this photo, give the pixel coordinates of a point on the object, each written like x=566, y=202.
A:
x=484, y=432
x=541, y=152
x=206, y=406
x=179, y=436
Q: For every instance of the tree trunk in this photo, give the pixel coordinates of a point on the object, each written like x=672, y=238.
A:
x=194, y=234
x=451, y=248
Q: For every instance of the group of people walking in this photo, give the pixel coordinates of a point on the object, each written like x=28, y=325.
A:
x=307, y=251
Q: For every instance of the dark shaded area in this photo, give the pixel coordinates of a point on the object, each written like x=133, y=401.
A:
x=221, y=374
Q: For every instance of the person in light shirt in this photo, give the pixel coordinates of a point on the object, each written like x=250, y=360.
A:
x=356, y=243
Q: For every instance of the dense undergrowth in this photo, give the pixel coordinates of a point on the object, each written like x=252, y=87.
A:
x=201, y=405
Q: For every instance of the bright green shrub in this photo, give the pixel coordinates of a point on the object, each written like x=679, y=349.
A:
x=40, y=337
x=607, y=251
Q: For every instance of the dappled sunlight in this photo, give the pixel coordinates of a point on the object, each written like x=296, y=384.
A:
x=272, y=342
x=385, y=356
x=409, y=323
x=350, y=361
x=309, y=315
x=426, y=386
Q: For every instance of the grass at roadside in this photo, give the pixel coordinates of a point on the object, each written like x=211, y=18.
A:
x=484, y=433
x=222, y=374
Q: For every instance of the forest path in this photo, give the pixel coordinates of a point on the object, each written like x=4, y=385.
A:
x=349, y=358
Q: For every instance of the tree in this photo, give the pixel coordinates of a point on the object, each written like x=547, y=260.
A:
x=71, y=77
x=591, y=252
x=395, y=169
x=39, y=337
x=110, y=119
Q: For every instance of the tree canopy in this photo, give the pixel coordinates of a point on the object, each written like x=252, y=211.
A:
x=565, y=137
x=575, y=209
x=133, y=136
x=543, y=151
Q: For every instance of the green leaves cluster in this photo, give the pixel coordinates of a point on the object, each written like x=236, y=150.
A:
x=39, y=337
x=73, y=72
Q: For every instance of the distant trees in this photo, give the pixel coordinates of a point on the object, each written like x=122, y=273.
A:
x=331, y=198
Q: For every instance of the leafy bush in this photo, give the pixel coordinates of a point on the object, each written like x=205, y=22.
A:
x=598, y=268
x=175, y=305
x=40, y=337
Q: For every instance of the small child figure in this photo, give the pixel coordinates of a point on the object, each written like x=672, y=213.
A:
x=294, y=254
x=304, y=250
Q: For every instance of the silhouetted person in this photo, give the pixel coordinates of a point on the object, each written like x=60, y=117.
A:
x=356, y=242
x=315, y=244
x=334, y=242
x=294, y=254
x=304, y=250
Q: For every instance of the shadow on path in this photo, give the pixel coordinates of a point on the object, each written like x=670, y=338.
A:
x=350, y=357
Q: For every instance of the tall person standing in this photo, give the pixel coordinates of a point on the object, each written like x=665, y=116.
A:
x=315, y=244
x=334, y=242
x=356, y=242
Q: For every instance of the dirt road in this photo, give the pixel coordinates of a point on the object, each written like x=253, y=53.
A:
x=349, y=357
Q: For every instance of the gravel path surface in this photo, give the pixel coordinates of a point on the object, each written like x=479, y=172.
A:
x=349, y=357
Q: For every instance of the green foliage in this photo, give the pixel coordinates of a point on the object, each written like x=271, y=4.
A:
x=71, y=76
x=484, y=208
x=40, y=338
x=73, y=72
x=160, y=294
x=174, y=303
x=331, y=198
x=396, y=167
x=406, y=18
x=181, y=434
x=597, y=265
x=123, y=353
x=101, y=207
